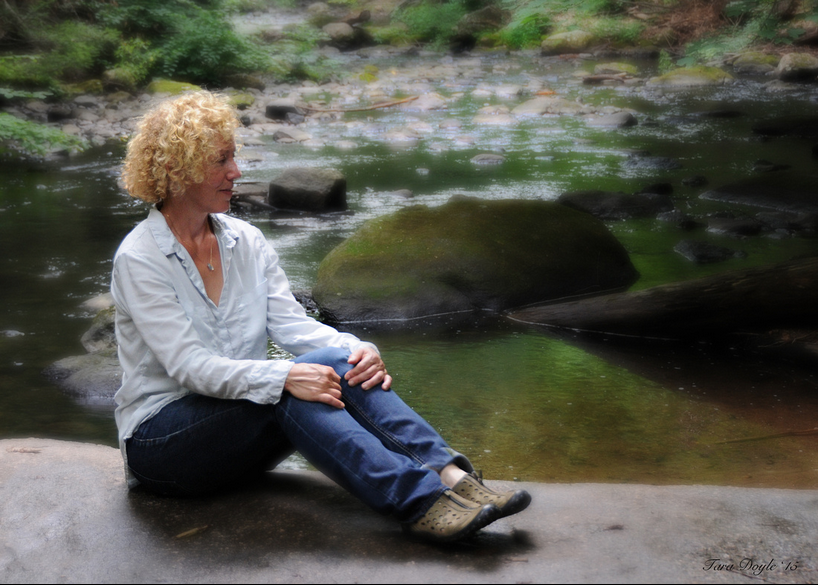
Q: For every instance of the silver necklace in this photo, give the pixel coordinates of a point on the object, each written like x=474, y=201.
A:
x=178, y=237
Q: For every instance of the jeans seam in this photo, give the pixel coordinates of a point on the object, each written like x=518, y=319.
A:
x=406, y=451
x=184, y=430
x=344, y=465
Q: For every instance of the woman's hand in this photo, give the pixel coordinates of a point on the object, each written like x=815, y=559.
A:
x=315, y=383
x=369, y=370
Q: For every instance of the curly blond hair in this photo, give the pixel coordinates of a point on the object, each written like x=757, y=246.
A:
x=175, y=142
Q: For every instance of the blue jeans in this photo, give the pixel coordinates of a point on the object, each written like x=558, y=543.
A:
x=376, y=447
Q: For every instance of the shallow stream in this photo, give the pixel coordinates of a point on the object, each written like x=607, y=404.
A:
x=524, y=403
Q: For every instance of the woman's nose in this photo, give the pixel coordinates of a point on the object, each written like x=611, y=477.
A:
x=234, y=172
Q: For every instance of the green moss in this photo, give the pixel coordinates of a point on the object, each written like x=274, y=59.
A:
x=470, y=253
x=171, y=87
x=693, y=76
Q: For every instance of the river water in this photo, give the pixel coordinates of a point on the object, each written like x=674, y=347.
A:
x=523, y=403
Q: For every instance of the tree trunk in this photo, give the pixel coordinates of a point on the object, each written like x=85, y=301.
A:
x=757, y=299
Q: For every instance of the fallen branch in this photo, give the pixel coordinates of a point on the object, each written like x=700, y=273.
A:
x=373, y=107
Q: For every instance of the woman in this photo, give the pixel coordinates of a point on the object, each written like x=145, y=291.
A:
x=201, y=408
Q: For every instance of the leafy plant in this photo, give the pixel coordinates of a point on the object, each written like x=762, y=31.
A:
x=616, y=30
x=137, y=57
x=32, y=138
x=432, y=22
x=204, y=50
x=525, y=30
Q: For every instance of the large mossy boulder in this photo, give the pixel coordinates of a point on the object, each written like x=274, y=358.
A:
x=466, y=256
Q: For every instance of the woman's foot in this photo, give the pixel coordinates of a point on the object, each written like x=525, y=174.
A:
x=509, y=502
x=452, y=518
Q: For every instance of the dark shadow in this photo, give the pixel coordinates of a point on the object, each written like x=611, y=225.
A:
x=756, y=377
x=305, y=513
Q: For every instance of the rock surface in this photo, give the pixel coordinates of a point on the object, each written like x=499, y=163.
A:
x=466, y=256
x=66, y=516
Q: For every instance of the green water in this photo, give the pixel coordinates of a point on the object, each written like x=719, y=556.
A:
x=523, y=403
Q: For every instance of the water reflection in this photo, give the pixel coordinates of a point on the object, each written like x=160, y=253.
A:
x=538, y=407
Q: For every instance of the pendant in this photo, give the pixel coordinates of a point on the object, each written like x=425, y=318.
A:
x=210, y=267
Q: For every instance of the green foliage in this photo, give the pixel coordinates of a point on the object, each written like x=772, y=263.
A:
x=245, y=6
x=70, y=51
x=616, y=30
x=34, y=139
x=8, y=94
x=137, y=58
x=391, y=35
x=23, y=71
x=525, y=30
x=578, y=7
x=204, y=49
x=665, y=62
x=432, y=22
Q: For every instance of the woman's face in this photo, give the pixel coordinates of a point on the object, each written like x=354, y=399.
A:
x=213, y=194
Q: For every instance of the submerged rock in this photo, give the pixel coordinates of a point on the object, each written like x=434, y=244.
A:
x=466, y=256
x=91, y=379
x=705, y=252
x=617, y=205
x=783, y=191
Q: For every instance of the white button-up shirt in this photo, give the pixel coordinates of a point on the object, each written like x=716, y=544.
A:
x=173, y=340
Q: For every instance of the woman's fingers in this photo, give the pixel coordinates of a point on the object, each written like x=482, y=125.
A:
x=369, y=370
x=315, y=383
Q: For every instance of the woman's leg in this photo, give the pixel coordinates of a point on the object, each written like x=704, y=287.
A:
x=337, y=445
x=199, y=444
x=390, y=419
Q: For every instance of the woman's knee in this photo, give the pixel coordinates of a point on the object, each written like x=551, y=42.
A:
x=334, y=357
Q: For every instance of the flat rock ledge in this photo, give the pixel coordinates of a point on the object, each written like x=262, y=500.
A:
x=66, y=516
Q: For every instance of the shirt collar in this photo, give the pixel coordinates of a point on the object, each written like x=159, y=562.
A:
x=168, y=243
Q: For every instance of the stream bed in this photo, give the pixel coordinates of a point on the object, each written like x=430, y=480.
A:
x=523, y=403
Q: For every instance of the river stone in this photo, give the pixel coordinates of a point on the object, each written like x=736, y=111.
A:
x=797, y=67
x=617, y=205
x=617, y=120
x=345, y=37
x=277, y=109
x=784, y=191
x=574, y=41
x=734, y=226
x=466, y=256
x=425, y=103
x=488, y=158
x=755, y=63
x=657, y=163
x=101, y=335
x=705, y=252
x=692, y=77
x=309, y=189
x=92, y=379
x=615, y=68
